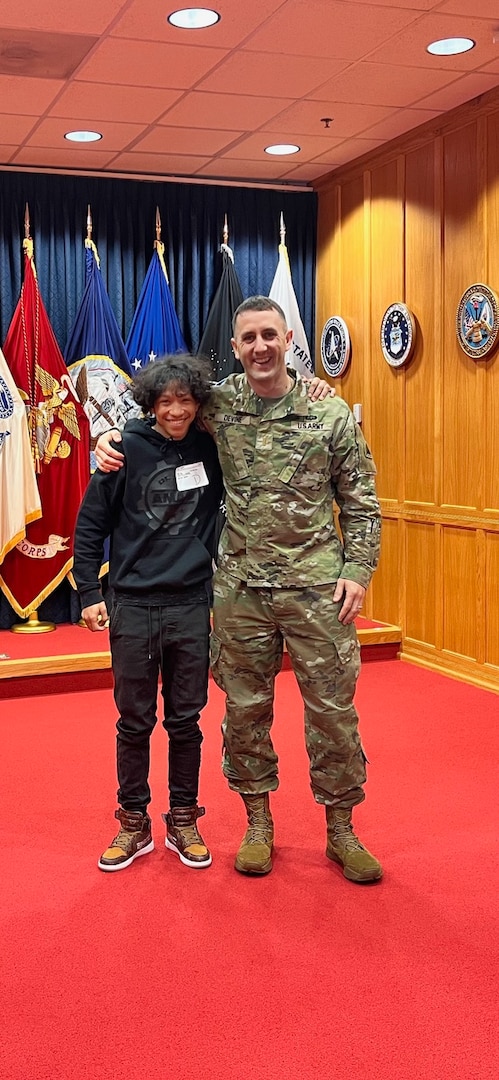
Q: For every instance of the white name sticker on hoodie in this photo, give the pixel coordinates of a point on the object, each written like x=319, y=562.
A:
x=191, y=476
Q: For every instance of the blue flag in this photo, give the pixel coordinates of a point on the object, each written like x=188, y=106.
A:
x=96, y=357
x=155, y=329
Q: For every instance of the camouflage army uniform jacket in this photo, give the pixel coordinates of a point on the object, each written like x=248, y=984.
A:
x=283, y=462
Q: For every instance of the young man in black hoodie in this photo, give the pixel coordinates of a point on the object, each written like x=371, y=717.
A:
x=160, y=513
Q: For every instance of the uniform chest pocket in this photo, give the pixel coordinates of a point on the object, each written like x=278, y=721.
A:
x=236, y=452
x=306, y=466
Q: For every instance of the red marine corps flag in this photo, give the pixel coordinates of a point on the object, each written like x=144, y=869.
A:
x=59, y=439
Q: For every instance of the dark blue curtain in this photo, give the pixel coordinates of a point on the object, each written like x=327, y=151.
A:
x=123, y=217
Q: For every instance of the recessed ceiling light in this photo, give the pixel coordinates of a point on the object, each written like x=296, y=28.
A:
x=193, y=18
x=83, y=136
x=450, y=46
x=282, y=148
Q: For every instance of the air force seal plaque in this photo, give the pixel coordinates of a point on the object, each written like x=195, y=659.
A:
x=398, y=335
x=477, y=321
x=335, y=347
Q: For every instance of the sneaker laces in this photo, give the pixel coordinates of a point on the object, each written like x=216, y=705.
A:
x=124, y=840
x=190, y=835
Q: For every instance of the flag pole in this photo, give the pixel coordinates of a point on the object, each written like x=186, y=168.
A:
x=282, y=229
x=159, y=245
x=33, y=624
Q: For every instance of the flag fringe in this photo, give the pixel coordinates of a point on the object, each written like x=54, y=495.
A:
x=46, y=591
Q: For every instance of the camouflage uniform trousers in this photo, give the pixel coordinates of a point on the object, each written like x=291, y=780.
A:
x=250, y=625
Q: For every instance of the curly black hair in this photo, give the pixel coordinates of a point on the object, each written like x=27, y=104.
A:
x=189, y=373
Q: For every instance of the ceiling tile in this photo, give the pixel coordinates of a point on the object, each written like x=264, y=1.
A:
x=252, y=148
x=14, y=129
x=493, y=67
x=115, y=136
x=418, y=5
x=146, y=64
x=382, y=84
x=271, y=169
x=224, y=111
x=329, y=28
x=412, y=43
x=308, y=172
x=399, y=124
x=486, y=9
x=38, y=53
x=269, y=80
x=158, y=164
x=18, y=95
x=186, y=141
x=147, y=20
x=6, y=153
x=305, y=118
x=139, y=104
x=467, y=87
x=43, y=157
x=90, y=17
x=347, y=151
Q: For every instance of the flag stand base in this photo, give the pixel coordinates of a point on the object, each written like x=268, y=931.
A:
x=33, y=626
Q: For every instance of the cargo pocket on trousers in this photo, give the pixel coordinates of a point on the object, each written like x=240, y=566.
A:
x=348, y=651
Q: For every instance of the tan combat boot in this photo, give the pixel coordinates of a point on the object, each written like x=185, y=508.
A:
x=255, y=854
x=344, y=847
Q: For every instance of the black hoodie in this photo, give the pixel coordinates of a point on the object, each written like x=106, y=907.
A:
x=161, y=539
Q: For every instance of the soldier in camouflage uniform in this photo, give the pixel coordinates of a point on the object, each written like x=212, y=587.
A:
x=284, y=575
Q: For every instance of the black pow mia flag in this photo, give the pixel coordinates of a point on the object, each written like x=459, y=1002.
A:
x=215, y=342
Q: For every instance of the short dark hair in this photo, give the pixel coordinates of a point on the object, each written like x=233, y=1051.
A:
x=258, y=303
x=189, y=373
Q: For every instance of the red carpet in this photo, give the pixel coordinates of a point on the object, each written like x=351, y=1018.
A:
x=163, y=973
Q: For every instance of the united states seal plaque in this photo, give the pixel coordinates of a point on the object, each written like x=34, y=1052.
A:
x=398, y=334
x=335, y=347
x=477, y=321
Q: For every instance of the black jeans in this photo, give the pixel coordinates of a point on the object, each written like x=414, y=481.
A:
x=148, y=638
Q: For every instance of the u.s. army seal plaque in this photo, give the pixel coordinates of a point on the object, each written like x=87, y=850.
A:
x=477, y=321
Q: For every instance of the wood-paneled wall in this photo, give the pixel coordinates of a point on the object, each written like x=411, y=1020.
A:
x=418, y=222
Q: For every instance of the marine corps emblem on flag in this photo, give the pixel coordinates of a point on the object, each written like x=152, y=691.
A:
x=53, y=415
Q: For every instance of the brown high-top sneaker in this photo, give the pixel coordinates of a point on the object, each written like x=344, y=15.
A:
x=255, y=854
x=183, y=837
x=133, y=839
x=344, y=847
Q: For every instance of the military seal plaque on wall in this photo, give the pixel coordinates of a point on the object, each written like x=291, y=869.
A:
x=477, y=321
x=335, y=347
x=398, y=334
